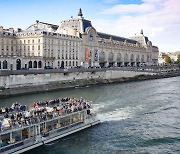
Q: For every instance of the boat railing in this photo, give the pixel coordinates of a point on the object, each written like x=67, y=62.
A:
x=35, y=122
x=18, y=144
x=62, y=129
x=11, y=146
x=31, y=140
x=41, y=125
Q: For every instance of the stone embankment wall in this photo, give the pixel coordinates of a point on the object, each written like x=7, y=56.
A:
x=38, y=82
x=12, y=81
x=31, y=83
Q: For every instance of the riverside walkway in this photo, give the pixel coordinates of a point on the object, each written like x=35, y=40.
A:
x=150, y=69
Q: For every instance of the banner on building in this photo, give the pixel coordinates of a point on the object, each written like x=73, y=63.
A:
x=86, y=54
x=96, y=55
x=90, y=54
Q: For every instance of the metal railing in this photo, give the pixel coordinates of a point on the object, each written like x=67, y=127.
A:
x=155, y=69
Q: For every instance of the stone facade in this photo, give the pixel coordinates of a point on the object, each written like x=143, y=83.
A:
x=75, y=43
x=151, y=52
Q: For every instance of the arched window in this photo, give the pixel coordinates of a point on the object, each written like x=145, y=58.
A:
x=148, y=58
x=5, y=64
x=35, y=64
x=142, y=58
x=110, y=57
x=30, y=64
x=132, y=58
x=62, y=64
x=39, y=64
x=102, y=57
x=119, y=59
x=126, y=58
x=18, y=64
x=0, y=64
x=137, y=58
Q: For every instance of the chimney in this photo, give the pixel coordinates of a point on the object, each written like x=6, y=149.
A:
x=19, y=30
x=11, y=30
x=1, y=28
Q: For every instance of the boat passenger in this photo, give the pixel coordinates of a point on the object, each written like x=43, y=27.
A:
x=1, y=143
x=6, y=110
x=12, y=118
x=6, y=115
x=0, y=125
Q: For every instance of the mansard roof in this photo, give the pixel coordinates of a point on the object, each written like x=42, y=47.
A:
x=155, y=46
x=43, y=25
x=6, y=32
x=146, y=39
x=52, y=25
x=86, y=24
x=116, y=38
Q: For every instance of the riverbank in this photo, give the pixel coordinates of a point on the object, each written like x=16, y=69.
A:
x=7, y=92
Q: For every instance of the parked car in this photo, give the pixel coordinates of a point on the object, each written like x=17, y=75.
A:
x=48, y=67
x=78, y=67
x=24, y=68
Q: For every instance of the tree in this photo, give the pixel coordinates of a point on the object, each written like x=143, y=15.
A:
x=167, y=59
x=178, y=58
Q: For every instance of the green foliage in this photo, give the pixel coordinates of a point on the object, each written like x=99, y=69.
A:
x=178, y=58
x=167, y=59
x=2, y=88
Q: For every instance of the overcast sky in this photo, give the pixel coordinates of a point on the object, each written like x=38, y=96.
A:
x=159, y=19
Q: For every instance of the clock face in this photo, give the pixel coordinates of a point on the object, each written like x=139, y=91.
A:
x=90, y=36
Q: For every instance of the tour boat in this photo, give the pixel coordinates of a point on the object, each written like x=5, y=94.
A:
x=22, y=129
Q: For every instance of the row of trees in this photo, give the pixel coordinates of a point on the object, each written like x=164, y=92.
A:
x=167, y=59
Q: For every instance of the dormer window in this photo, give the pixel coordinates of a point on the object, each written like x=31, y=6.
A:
x=90, y=37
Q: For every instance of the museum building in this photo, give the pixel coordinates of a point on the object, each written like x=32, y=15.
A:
x=73, y=43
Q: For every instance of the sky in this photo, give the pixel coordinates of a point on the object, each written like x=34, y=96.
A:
x=159, y=19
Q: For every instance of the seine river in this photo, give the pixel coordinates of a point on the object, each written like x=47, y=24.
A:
x=137, y=117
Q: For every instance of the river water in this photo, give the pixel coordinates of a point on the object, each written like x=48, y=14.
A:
x=137, y=117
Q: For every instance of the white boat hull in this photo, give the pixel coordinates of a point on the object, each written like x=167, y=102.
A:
x=44, y=140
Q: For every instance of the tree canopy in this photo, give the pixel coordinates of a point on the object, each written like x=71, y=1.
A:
x=167, y=59
x=178, y=58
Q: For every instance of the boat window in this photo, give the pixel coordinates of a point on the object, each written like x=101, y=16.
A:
x=55, y=124
x=76, y=118
x=16, y=136
x=4, y=139
x=65, y=121
x=81, y=116
x=43, y=128
x=31, y=131
x=25, y=133
x=50, y=125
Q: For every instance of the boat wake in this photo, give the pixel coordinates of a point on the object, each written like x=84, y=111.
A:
x=114, y=115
